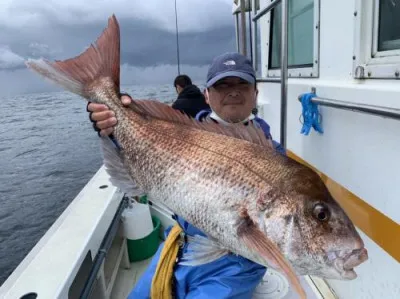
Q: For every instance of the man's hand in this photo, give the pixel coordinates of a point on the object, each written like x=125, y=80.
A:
x=103, y=118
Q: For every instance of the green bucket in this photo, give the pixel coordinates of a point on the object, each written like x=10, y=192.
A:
x=146, y=247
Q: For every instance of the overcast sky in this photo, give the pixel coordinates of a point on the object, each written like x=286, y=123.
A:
x=60, y=29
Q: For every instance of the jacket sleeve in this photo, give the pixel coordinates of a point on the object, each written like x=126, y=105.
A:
x=279, y=147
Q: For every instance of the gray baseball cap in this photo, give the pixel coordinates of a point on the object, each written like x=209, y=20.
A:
x=230, y=65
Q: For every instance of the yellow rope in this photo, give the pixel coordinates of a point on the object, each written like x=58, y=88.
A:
x=161, y=287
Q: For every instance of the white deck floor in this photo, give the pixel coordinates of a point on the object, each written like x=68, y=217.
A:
x=126, y=279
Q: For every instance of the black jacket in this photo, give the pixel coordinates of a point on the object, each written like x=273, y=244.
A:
x=191, y=101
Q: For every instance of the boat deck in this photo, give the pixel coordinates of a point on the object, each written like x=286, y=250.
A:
x=127, y=278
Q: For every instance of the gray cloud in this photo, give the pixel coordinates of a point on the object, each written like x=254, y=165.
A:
x=61, y=30
x=9, y=60
x=194, y=15
x=41, y=50
x=160, y=74
x=143, y=45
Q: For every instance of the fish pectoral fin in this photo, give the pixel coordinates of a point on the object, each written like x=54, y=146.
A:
x=115, y=168
x=202, y=250
x=259, y=242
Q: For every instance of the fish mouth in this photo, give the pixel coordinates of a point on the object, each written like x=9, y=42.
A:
x=346, y=260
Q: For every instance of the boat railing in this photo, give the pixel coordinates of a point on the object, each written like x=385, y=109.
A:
x=388, y=112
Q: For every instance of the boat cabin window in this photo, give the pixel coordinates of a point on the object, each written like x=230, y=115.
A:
x=303, y=39
x=388, y=26
x=300, y=35
x=377, y=36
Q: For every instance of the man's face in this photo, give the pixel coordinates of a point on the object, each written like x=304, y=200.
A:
x=232, y=99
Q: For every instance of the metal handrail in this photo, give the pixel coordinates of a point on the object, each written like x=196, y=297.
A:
x=364, y=108
x=266, y=10
x=254, y=35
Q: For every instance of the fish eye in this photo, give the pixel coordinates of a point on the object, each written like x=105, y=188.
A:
x=321, y=212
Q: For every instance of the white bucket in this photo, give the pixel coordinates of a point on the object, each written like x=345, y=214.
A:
x=137, y=222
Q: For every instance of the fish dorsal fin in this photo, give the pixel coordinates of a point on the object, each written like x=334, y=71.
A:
x=157, y=110
x=257, y=241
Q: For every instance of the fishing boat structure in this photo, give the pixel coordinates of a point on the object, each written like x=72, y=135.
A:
x=344, y=57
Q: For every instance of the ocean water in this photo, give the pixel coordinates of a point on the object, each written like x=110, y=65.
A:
x=48, y=152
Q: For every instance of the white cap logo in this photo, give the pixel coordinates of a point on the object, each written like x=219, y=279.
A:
x=230, y=62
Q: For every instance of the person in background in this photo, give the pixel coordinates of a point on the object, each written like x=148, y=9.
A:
x=190, y=99
x=231, y=92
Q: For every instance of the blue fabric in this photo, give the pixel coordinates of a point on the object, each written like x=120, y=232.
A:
x=188, y=228
x=279, y=148
x=310, y=115
x=231, y=276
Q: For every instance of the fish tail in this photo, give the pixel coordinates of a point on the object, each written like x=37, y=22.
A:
x=93, y=72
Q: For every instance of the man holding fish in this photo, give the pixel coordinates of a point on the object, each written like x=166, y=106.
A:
x=250, y=206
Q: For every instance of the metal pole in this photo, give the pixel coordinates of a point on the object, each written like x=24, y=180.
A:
x=237, y=32
x=254, y=35
x=243, y=21
x=177, y=39
x=251, y=38
x=284, y=71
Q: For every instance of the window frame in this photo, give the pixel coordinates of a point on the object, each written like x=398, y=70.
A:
x=368, y=62
x=293, y=72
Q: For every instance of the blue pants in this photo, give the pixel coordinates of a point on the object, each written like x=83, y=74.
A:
x=230, y=276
